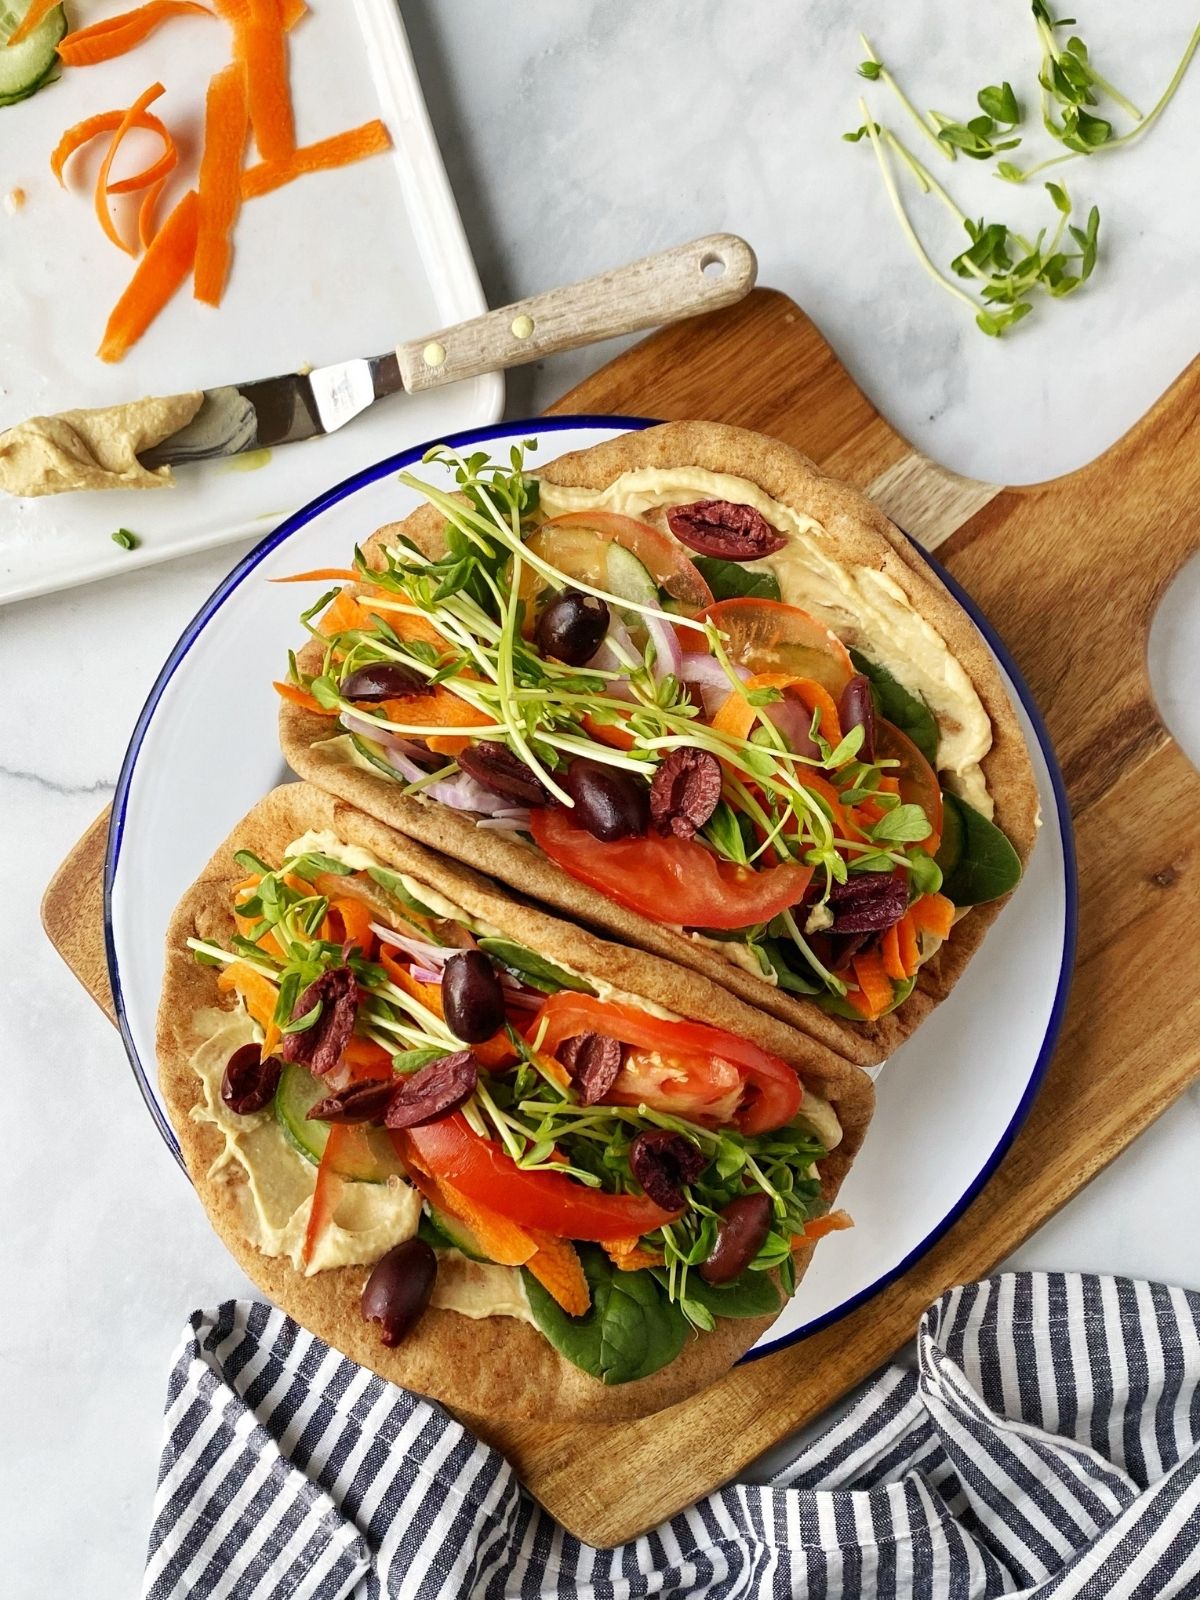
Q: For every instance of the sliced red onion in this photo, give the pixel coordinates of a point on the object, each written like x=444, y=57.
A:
x=668, y=650
x=518, y=822
x=393, y=743
x=524, y=999
x=429, y=955
x=705, y=672
x=425, y=974
x=606, y=658
x=794, y=721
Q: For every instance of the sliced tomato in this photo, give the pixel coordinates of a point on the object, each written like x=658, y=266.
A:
x=577, y=544
x=768, y=636
x=722, y=1076
x=918, y=781
x=667, y=879
x=450, y=1152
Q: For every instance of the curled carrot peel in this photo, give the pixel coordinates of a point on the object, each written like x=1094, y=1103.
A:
x=38, y=11
x=343, y=574
x=159, y=275
x=225, y=122
x=103, y=41
x=299, y=697
x=371, y=139
x=108, y=122
x=147, y=211
x=128, y=120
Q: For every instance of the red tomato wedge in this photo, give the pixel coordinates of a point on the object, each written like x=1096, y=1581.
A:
x=767, y=636
x=775, y=1092
x=668, y=879
x=577, y=544
x=451, y=1153
x=918, y=781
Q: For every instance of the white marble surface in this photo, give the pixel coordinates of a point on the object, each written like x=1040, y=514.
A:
x=577, y=135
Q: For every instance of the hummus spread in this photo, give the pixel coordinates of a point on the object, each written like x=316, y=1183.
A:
x=368, y=1218
x=865, y=608
x=93, y=449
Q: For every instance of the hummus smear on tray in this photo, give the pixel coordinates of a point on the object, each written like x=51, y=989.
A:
x=691, y=690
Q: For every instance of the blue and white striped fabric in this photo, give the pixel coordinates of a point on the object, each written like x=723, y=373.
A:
x=1047, y=1444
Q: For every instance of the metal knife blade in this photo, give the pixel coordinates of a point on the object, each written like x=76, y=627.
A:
x=273, y=411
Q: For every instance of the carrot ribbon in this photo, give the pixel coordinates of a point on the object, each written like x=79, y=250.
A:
x=114, y=36
x=225, y=123
x=371, y=139
x=159, y=275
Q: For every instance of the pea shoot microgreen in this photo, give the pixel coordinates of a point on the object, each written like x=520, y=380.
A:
x=127, y=540
x=1010, y=271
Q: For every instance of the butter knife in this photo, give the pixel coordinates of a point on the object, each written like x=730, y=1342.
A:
x=705, y=275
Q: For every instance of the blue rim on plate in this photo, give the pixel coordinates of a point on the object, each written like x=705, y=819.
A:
x=558, y=424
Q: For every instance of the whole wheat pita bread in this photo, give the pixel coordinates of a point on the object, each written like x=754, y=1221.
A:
x=496, y=1366
x=862, y=536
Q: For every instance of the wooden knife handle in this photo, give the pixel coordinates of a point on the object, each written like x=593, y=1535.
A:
x=701, y=276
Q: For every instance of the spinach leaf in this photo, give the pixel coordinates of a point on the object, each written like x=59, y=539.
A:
x=788, y=980
x=731, y=580
x=893, y=701
x=532, y=969
x=631, y=1330
x=978, y=863
x=754, y=1294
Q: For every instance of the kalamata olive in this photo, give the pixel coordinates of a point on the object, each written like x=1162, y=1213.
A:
x=361, y=1102
x=472, y=998
x=249, y=1084
x=868, y=902
x=685, y=791
x=856, y=709
x=571, y=627
x=320, y=1045
x=745, y=1223
x=495, y=766
x=432, y=1093
x=594, y=1061
x=399, y=1289
x=383, y=680
x=609, y=802
x=664, y=1163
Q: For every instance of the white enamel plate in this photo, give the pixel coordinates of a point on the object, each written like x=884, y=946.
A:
x=204, y=750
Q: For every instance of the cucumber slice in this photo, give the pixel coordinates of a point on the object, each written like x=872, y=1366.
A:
x=370, y=751
x=25, y=67
x=298, y=1091
x=628, y=579
x=456, y=1234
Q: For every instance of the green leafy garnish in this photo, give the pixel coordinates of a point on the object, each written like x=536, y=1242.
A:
x=735, y=580
x=631, y=1329
x=977, y=861
x=896, y=705
x=532, y=969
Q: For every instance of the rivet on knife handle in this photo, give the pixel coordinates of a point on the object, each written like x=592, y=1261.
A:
x=701, y=276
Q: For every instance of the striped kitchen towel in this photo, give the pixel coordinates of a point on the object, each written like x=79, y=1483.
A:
x=1048, y=1444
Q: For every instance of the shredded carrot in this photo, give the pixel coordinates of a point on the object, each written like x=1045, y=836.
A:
x=818, y=1227
x=413, y=627
x=893, y=961
x=147, y=211
x=84, y=47
x=611, y=733
x=557, y=1267
x=501, y=1240
x=318, y=574
x=160, y=273
x=933, y=913
x=875, y=987
x=628, y=1255
x=225, y=124
x=128, y=120
x=371, y=139
x=328, y=1187
x=300, y=697
x=355, y=917
x=260, y=46
x=291, y=11
x=346, y=612
x=368, y=1059
x=38, y=11
x=107, y=122
x=439, y=709
x=910, y=954
x=259, y=996
x=736, y=716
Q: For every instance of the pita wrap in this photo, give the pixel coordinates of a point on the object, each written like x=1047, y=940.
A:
x=495, y=1366
x=857, y=534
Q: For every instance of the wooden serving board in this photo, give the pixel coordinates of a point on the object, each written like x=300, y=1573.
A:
x=1070, y=573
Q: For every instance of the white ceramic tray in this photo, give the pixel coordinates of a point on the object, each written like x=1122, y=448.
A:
x=335, y=265
x=205, y=750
